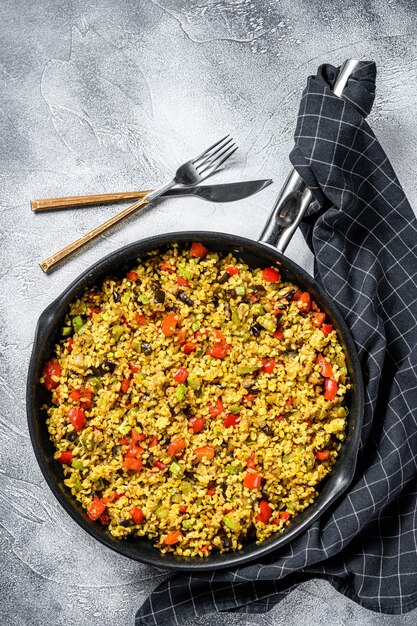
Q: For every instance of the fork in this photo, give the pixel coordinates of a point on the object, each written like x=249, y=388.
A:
x=190, y=173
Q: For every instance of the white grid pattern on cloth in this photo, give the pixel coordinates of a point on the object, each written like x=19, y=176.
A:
x=364, y=237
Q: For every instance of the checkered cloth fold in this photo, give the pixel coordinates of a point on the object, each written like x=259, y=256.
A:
x=363, y=234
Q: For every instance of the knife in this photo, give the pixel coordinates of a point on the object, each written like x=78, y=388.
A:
x=228, y=192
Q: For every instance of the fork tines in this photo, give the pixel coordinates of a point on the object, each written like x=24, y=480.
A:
x=212, y=158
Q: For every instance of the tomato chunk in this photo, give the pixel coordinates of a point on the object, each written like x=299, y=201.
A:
x=322, y=455
x=159, y=465
x=183, y=282
x=252, y=480
x=169, y=324
x=250, y=463
x=217, y=408
x=132, y=276
x=131, y=463
x=65, y=457
x=211, y=490
x=154, y=441
x=231, y=420
x=317, y=319
x=75, y=394
x=326, y=369
x=232, y=271
x=330, y=389
x=279, y=335
x=134, y=450
x=219, y=350
x=304, y=302
x=52, y=370
x=137, y=436
x=175, y=447
x=189, y=347
x=125, y=385
x=96, y=508
x=181, y=375
x=173, y=538
x=140, y=319
x=268, y=365
x=205, y=452
x=265, y=512
x=166, y=267
x=197, y=424
x=326, y=329
x=77, y=418
x=270, y=275
x=137, y=515
x=134, y=369
x=198, y=250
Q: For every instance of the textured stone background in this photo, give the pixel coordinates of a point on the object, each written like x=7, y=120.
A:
x=107, y=95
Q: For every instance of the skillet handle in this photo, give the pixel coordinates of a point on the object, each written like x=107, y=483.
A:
x=295, y=197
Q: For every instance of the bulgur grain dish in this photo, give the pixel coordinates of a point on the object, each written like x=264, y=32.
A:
x=196, y=401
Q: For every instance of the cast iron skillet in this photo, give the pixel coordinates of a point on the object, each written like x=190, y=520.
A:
x=48, y=332
x=292, y=202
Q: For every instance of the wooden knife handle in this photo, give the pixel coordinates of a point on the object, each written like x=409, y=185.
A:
x=46, y=204
x=56, y=258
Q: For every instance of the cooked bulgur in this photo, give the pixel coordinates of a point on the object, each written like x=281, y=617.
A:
x=196, y=401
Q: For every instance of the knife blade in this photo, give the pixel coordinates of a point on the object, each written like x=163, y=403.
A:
x=228, y=192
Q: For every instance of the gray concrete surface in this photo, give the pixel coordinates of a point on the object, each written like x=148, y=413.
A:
x=105, y=95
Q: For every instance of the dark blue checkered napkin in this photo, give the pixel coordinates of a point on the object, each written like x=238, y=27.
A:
x=363, y=234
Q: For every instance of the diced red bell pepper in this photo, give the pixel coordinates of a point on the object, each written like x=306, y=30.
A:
x=183, y=282
x=65, y=457
x=322, y=455
x=232, y=271
x=131, y=463
x=283, y=516
x=205, y=452
x=137, y=515
x=134, y=369
x=279, y=335
x=134, y=450
x=304, y=302
x=169, y=324
x=250, y=462
x=330, y=389
x=140, y=319
x=51, y=369
x=183, y=508
x=175, y=446
x=189, y=347
x=159, y=465
x=154, y=441
x=132, y=276
x=326, y=329
x=270, y=275
x=96, y=508
x=123, y=441
x=231, y=420
x=75, y=395
x=198, y=250
x=219, y=350
x=211, y=490
x=297, y=295
x=265, y=512
x=70, y=344
x=197, y=424
x=268, y=365
x=326, y=369
x=77, y=418
x=317, y=318
x=252, y=480
x=166, y=266
x=181, y=375
x=248, y=399
x=137, y=436
x=125, y=385
x=290, y=401
x=173, y=538
x=217, y=408
x=86, y=398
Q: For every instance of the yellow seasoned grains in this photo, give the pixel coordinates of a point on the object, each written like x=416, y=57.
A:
x=196, y=401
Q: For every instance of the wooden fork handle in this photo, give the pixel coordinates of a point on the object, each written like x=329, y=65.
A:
x=46, y=204
x=56, y=258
